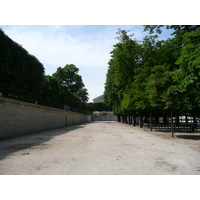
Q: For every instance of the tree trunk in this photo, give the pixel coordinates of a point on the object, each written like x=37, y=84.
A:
x=134, y=120
x=172, y=123
x=129, y=119
x=118, y=118
x=157, y=119
x=151, y=119
x=177, y=120
x=126, y=120
x=186, y=119
x=140, y=119
x=165, y=120
x=194, y=126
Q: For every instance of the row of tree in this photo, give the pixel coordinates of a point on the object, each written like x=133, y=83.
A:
x=18, y=68
x=22, y=70
x=155, y=77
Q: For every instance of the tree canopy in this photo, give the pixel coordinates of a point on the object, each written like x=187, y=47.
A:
x=153, y=74
x=19, y=68
x=24, y=71
x=69, y=77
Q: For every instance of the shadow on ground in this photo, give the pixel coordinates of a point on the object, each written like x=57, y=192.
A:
x=11, y=145
x=189, y=137
x=166, y=134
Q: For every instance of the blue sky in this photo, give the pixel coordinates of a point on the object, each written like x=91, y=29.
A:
x=84, y=31
x=86, y=46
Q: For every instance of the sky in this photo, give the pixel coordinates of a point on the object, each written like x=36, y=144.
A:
x=88, y=47
x=83, y=32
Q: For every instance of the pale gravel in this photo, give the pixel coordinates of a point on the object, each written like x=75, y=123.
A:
x=101, y=148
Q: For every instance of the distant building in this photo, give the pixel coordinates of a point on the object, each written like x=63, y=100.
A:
x=102, y=115
x=99, y=99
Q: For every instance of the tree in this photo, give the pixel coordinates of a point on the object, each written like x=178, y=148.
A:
x=178, y=29
x=188, y=73
x=69, y=76
x=162, y=76
x=186, y=38
x=18, y=68
x=51, y=89
x=124, y=59
x=182, y=93
x=111, y=89
x=135, y=97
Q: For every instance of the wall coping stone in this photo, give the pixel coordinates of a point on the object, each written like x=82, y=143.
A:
x=9, y=100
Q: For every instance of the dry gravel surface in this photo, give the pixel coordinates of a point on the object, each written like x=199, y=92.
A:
x=101, y=148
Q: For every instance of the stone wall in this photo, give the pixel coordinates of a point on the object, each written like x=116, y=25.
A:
x=19, y=118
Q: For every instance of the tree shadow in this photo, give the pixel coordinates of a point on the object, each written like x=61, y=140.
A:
x=189, y=137
x=166, y=134
x=11, y=145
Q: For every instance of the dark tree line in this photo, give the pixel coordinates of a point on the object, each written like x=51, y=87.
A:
x=22, y=70
x=99, y=106
x=66, y=86
x=155, y=78
x=18, y=68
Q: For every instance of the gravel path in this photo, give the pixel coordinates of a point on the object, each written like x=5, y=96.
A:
x=101, y=148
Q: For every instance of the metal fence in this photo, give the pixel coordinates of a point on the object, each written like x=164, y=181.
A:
x=22, y=95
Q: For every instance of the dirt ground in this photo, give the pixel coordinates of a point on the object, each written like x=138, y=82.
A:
x=101, y=148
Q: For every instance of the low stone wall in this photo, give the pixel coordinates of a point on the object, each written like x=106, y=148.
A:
x=19, y=118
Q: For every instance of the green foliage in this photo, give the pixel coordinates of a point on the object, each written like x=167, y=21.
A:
x=66, y=87
x=100, y=106
x=18, y=68
x=153, y=74
x=125, y=57
x=188, y=74
x=69, y=76
x=178, y=29
x=189, y=61
x=24, y=71
x=156, y=84
x=51, y=88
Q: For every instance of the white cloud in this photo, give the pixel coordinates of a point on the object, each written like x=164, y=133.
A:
x=87, y=47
